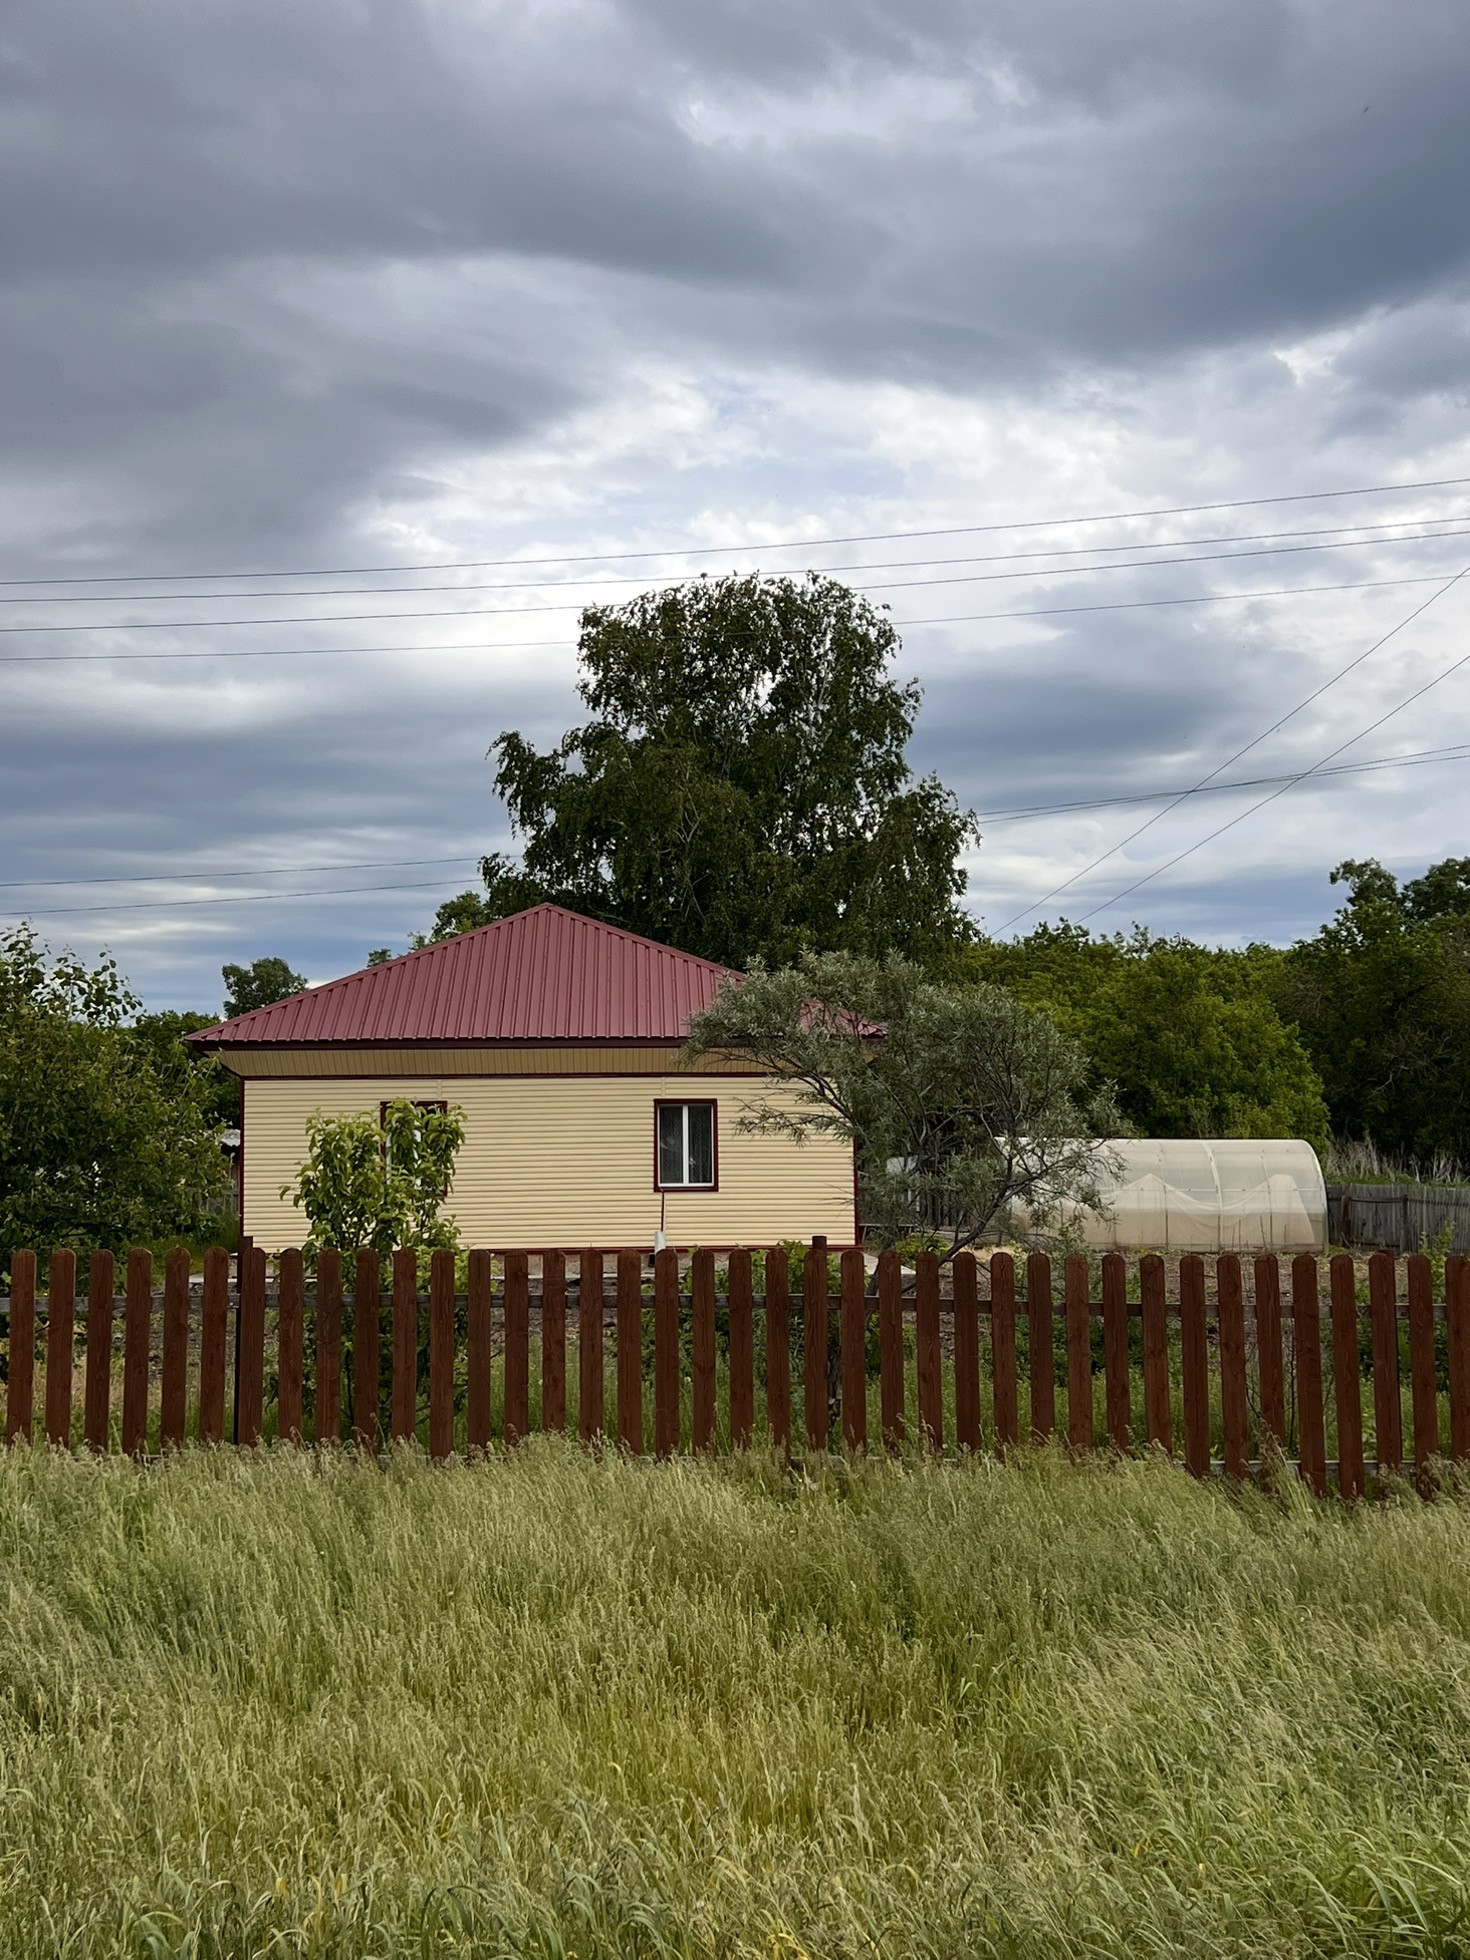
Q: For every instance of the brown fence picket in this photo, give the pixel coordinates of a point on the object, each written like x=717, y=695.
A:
x=441, y=1353
x=1077, y=1283
x=1306, y=1315
x=778, y=1349
x=1423, y=1385
x=173, y=1389
x=214, y=1334
x=517, y=1346
x=404, y=1407
x=630, y=1352
x=965, y=1282
x=20, y=1387
x=137, y=1340
x=1387, y=1413
x=97, y=1393
x=553, y=1341
x=1194, y=1361
x=327, y=1414
x=1003, y=1350
x=926, y=1335
x=1346, y=1383
x=250, y=1356
x=1234, y=1407
x=290, y=1324
x=589, y=1346
x=890, y=1348
x=61, y=1310
x=666, y=1351
x=814, y=1343
x=1115, y=1350
x=741, y=1309
x=479, y=1290
x=1043, y=1360
x=1158, y=1410
x=1457, y=1329
x=1270, y=1370
x=366, y=1308
x=853, y=1334
x=702, y=1350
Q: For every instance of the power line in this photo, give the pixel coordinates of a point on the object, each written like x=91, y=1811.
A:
x=1008, y=814
x=577, y=605
x=1029, y=812
x=200, y=877
x=1330, y=531
x=778, y=544
x=517, y=646
x=1261, y=803
x=235, y=898
x=1255, y=742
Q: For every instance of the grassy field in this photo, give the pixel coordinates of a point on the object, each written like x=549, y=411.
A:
x=567, y=1706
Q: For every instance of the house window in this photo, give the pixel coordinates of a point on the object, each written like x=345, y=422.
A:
x=684, y=1139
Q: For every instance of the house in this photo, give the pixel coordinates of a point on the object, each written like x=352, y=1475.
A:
x=560, y=1040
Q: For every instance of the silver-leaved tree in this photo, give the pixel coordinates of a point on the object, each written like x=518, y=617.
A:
x=969, y=1112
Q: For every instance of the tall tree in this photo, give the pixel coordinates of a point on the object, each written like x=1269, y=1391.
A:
x=260, y=984
x=98, y=1145
x=742, y=789
x=1382, y=997
x=1191, y=1036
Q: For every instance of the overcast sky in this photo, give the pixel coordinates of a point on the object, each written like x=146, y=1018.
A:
x=297, y=288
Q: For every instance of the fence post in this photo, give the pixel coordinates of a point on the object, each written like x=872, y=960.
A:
x=60, y=1318
x=814, y=1342
x=441, y=1353
x=1043, y=1386
x=854, y=1335
x=244, y=1253
x=174, y=1387
x=20, y=1396
x=137, y=1339
x=97, y=1396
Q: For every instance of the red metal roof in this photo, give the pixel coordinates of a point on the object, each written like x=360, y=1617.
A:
x=542, y=975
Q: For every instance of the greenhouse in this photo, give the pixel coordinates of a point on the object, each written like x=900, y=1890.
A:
x=1186, y=1194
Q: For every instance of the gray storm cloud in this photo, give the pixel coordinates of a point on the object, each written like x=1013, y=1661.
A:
x=361, y=284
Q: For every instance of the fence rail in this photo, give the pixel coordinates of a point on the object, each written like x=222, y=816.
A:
x=1224, y=1365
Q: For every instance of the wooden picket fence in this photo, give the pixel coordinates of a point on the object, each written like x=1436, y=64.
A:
x=664, y=1355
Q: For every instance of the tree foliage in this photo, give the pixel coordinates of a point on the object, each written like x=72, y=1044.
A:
x=742, y=788
x=100, y=1145
x=961, y=1102
x=261, y=984
x=1382, y=997
x=1192, y=1037
x=376, y=1184
x=164, y=1038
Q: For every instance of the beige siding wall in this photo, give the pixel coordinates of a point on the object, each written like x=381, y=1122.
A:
x=562, y=1161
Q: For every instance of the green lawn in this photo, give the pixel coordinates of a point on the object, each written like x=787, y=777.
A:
x=567, y=1706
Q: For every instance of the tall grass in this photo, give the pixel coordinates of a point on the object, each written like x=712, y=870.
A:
x=563, y=1705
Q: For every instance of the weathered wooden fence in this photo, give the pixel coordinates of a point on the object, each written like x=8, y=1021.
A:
x=1224, y=1365
x=1400, y=1217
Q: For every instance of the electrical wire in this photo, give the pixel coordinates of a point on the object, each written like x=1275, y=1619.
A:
x=778, y=544
x=1290, y=783
x=1330, y=531
x=905, y=625
x=257, y=871
x=234, y=898
x=1255, y=742
x=1028, y=813
x=578, y=605
x=1319, y=772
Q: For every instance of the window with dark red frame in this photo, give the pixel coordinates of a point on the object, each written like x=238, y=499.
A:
x=684, y=1146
